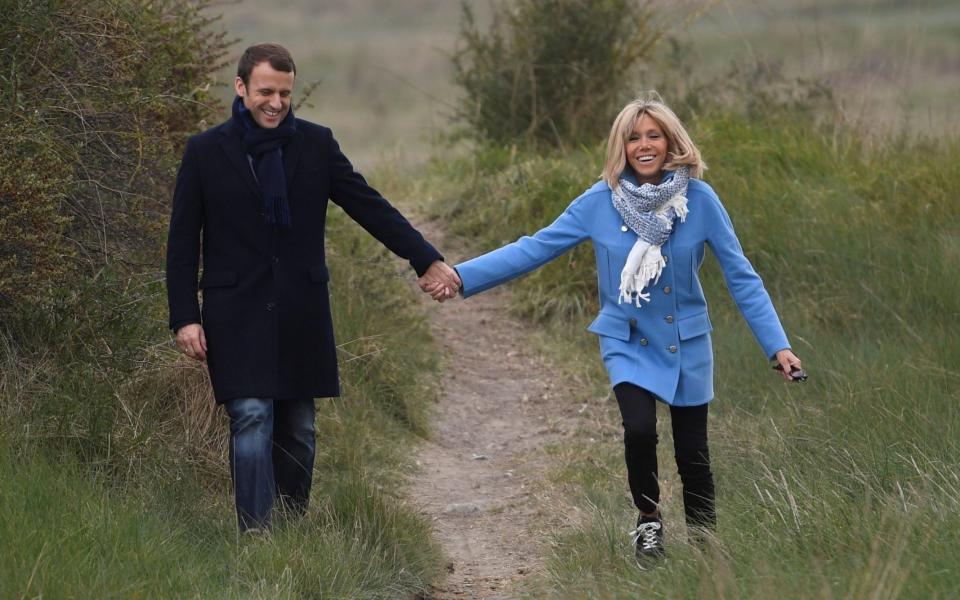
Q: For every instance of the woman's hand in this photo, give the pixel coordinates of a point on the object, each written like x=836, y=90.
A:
x=789, y=362
x=440, y=281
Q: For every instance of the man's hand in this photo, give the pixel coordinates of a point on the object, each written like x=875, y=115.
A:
x=440, y=281
x=192, y=342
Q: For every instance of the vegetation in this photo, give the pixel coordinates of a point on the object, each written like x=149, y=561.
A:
x=97, y=98
x=112, y=452
x=845, y=486
x=546, y=70
x=149, y=510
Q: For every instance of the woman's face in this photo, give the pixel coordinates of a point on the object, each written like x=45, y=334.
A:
x=647, y=150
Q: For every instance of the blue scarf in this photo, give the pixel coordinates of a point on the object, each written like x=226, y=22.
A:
x=265, y=147
x=650, y=211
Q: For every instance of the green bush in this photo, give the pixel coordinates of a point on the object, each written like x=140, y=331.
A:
x=95, y=100
x=552, y=72
x=34, y=251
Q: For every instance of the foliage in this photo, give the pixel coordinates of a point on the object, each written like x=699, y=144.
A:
x=95, y=101
x=114, y=418
x=847, y=483
x=98, y=407
x=550, y=71
x=33, y=248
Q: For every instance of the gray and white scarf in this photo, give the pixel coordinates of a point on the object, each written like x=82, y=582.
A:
x=650, y=211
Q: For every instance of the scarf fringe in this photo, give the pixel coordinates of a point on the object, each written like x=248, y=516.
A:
x=649, y=271
x=645, y=269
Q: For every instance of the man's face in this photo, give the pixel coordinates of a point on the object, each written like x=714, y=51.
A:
x=267, y=96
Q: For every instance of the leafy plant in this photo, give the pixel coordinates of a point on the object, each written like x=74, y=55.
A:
x=94, y=103
x=550, y=72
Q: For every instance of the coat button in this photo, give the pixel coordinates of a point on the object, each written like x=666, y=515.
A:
x=623, y=228
x=275, y=260
x=666, y=289
x=668, y=318
x=643, y=341
x=672, y=349
x=270, y=306
x=633, y=322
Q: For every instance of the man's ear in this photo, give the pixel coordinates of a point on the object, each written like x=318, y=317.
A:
x=239, y=87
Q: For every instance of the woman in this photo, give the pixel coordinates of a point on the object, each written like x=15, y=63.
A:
x=649, y=219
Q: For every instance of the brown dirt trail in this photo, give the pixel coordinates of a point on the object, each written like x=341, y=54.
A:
x=480, y=479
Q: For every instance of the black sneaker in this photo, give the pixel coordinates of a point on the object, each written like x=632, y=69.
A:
x=648, y=538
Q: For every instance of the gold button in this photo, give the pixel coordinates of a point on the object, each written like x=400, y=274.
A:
x=623, y=228
x=672, y=349
x=669, y=318
x=643, y=341
x=666, y=290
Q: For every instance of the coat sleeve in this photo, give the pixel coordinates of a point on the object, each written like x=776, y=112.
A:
x=525, y=254
x=367, y=207
x=744, y=283
x=183, y=242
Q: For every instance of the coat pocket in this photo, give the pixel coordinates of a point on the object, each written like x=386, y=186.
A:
x=611, y=326
x=319, y=274
x=694, y=325
x=215, y=279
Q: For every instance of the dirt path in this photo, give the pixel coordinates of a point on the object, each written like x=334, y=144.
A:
x=498, y=406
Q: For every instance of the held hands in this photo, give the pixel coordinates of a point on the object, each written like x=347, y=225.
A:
x=789, y=366
x=192, y=342
x=440, y=281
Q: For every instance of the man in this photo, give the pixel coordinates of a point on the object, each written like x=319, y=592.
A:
x=252, y=193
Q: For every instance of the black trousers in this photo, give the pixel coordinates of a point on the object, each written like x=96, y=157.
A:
x=638, y=407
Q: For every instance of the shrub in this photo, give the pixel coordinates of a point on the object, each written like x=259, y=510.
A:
x=95, y=100
x=550, y=71
x=33, y=248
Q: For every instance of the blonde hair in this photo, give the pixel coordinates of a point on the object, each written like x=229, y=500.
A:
x=680, y=148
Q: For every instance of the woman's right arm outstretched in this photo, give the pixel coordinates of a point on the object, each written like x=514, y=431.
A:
x=526, y=254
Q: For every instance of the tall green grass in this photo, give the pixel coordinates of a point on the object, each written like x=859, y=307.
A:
x=113, y=475
x=846, y=486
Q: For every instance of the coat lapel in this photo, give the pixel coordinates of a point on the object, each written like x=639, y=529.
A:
x=232, y=145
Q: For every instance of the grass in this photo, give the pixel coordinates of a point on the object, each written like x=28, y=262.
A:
x=114, y=476
x=846, y=486
x=67, y=534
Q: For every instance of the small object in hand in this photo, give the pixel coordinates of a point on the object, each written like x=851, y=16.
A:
x=797, y=375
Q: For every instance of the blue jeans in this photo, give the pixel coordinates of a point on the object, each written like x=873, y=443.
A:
x=272, y=446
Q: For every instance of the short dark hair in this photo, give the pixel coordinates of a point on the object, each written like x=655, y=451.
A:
x=278, y=57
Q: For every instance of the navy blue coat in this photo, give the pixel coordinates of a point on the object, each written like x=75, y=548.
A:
x=266, y=312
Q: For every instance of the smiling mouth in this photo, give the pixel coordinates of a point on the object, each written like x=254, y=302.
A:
x=272, y=114
x=645, y=160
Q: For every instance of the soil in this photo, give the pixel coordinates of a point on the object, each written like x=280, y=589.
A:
x=481, y=479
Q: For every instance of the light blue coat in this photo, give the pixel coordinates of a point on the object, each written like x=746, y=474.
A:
x=664, y=345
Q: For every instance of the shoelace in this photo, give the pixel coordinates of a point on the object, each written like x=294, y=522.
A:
x=647, y=531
